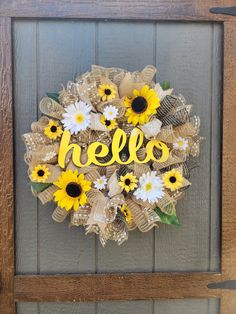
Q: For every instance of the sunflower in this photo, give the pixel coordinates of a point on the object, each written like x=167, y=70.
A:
x=127, y=213
x=110, y=124
x=106, y=92
x=143, y=104
x=173, y=180
x=72, y=188
x=128, y=182
x=40, y=173
x=53, y=130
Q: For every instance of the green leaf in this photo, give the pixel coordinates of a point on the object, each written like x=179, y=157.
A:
x=40, y=187
x=165, y=85
x=167, y=219
x=54, y=96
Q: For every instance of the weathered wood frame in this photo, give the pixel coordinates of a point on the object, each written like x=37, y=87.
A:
x=15, y=288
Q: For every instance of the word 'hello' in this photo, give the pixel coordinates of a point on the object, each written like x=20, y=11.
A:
x=100, y=150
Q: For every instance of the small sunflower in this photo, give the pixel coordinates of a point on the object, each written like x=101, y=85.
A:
x=128, y=182
x=110, y=124
x=53, y=130
x=40, y=173
x=143, y=104
x=106, y=92
x=127, y=213
x=72, y=188
x=173, y=180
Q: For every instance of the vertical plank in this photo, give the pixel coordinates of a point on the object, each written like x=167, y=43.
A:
x=63, y=49
x=125, y=307
x=216, y=139
x=229, y=155
x=228, y=302
x=25, y=110
x=67, y=308
x=188, y=306
x=6, y=170
x=27, y=308
x=131, y=46
x=184, y=53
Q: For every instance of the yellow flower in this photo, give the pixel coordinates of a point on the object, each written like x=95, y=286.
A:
x=173, y=180
x=127, y=213
x=110, y=124
x=128, y=182
x=106, y=92
x=143, y=104
x=40, y=173
x=72, y=188
x=53, y=130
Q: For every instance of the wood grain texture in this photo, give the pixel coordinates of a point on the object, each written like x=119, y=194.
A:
x=6, y=171
x=142, y=286
x=228, y=303
x=122, y=9
x=229, y=154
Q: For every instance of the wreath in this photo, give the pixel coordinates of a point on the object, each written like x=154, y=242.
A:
x=114, y=151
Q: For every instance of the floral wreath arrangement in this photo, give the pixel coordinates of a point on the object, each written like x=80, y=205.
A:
x=114, y=150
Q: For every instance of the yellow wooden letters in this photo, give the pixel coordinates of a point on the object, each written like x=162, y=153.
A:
x=119, y=140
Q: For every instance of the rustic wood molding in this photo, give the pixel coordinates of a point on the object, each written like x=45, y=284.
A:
x=127, y=286
x=99, y=287
x=123, y=9
x=6, y=170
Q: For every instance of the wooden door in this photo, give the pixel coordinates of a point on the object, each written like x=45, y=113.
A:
x=169, y=270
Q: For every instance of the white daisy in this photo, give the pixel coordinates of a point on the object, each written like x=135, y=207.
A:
x=150, y=187
x=110, y=112
x=77, y=117
x=181, y=143
x=100, y=183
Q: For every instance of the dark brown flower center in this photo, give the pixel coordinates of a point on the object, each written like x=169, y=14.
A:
x=139, y=104
x=172, y=179
x=107, y=91
x=107, y=122
x=41, y=173
x=53, y=128
x=73, y=189
x=127, y=181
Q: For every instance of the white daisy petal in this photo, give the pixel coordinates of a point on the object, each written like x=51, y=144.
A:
x=77, y=117
x=110, y=112
x=150, y=187
x=100, y=183
x=181, y=143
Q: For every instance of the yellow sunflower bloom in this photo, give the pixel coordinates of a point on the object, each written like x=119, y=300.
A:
x=110, y=124
x=142, y=105
x=128, y=182
x=40, y=173
x=127, y=213
x=72, y=188
x=173, y=180
x=106, y=92
x=53, y=130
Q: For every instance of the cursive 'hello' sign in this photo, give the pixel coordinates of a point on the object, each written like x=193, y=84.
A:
x=100, y=150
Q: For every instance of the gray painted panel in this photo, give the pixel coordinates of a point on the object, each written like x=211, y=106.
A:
x=184, y=56
x=188, y=55
x=125, y=45
x=189, y=306
x=64, y=48
x=204, y=306
x=25, y=112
